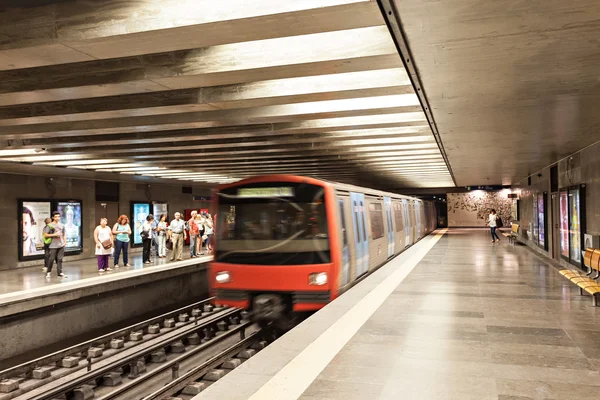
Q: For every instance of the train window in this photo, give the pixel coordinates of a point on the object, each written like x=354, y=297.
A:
x=362, y=215
x=283, y=227
x=398, y=216
x=343, y=221
x=376, y=217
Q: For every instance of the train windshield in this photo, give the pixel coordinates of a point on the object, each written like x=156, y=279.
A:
x=273, y=224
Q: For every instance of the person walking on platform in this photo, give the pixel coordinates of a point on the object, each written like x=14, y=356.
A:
x=492, y=222
x=57, y=245
x=194, y=234
x=161, y=236
x=121, y=231
x=147, y=235
x=104, y=244
x=176, y=232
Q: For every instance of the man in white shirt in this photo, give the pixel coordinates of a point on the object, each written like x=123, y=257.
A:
x=176, y=232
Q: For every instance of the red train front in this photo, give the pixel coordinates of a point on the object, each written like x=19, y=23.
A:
x=276, y=244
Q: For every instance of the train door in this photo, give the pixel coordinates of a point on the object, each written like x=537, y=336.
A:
x=418, y=216
x=345, y=249
x=387, y=202
x=360, y=233
x=406, y=223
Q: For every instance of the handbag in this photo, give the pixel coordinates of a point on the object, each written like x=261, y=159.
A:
x=169, y=244
x=107, y=244
x=499, y=223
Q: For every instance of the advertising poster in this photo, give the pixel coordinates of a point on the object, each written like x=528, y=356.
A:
x=140, y=212
x=535, y=219
x=541, y=220
x=564, y=224
x=32, y=216
x=70, y=217
x=575, y=228
x=160, y=208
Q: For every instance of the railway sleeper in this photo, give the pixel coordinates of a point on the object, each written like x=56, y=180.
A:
x=183, y=317
x=222, y=326
x=214, y=375
x=194, y=388
x=232, y=363
x=177, y=347
x=83, y=392
x=112, y=379
x=194, y=339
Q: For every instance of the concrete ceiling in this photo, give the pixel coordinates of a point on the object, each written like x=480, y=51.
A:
x=513, y=85
x=208, y=91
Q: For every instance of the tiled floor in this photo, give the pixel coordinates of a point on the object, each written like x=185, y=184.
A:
x=476, y=321
x=32, y=277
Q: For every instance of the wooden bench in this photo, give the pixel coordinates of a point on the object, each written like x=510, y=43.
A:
x=513, y=234
x=587, y=281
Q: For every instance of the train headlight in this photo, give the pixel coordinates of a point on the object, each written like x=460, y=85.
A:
x=317, y=278
x=224, y=277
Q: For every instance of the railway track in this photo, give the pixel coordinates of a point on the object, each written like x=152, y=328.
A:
x=142, y=360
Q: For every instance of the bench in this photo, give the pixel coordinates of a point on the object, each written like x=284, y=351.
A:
x=587, y=281
x=513, y=234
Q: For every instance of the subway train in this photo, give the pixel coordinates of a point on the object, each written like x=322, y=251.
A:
x=290, y=244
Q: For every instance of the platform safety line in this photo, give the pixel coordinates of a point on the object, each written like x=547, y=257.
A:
x=293, y=379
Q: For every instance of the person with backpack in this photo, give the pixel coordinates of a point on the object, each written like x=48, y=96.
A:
x=56, y=246
x=47, y=241
x=493, y=224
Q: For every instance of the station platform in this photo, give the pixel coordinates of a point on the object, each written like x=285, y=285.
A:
x=40, y=315
x=452, y=317
x=22, y=279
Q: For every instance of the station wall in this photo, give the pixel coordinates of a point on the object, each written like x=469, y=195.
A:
x=580, y=168
x=471, y=209
x=16, y=187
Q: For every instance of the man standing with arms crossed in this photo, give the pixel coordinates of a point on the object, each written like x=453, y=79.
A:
x=176, y=232
x=57, y=246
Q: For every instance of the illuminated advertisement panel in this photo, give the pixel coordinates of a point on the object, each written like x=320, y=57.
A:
x=541, y=218
x=139, y=212
x=31, y=216
x=70, y=217
x=575, y=226
x=535, y=219
x=564, y=224
x=160, y=208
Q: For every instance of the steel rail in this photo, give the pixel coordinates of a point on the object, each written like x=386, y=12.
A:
x=142, y=379
x=93, y=374
x=197, y=372
x=28, y=366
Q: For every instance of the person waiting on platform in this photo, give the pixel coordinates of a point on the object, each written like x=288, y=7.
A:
x=200, y=242
x=104, y=244
x=208, y=232
x=176, y=232
x=47, y=241
x=492, y=222
x=147, y=235
x=194, y=233
x=121, y=231
x=161, y=236
x=57, y=245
